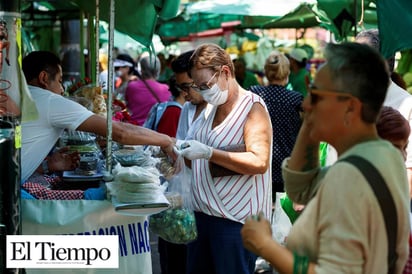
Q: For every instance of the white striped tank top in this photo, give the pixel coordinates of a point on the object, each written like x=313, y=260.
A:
x=232, y=197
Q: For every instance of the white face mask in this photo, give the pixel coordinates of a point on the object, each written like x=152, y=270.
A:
x=118, y=73
x=215, y=96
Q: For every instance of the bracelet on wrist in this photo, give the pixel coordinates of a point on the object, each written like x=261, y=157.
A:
x=300, y=264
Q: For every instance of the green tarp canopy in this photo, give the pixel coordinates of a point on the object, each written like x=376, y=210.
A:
x=141, y=18
x=395, y=25
x=304, y=16
x=393, y=18
x=211, y=14
x=349, y=16
x=137, y=18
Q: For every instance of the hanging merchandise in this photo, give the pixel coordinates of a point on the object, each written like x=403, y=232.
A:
x=12, y=104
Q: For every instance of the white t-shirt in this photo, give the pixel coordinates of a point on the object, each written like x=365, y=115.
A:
x=56, y=113
x=401, y=100
x=186, y=126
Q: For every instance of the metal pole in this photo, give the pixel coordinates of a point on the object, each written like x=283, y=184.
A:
x=355, y=11
x=81, y=42
x=110, y=89
x=97, y=40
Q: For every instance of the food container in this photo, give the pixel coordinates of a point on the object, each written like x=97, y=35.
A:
x=127, y=157
x=88, y=164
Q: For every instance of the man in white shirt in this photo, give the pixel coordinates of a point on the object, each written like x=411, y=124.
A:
x=43, y=74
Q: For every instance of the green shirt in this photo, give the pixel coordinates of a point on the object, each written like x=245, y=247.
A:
x=300, y=81
x=250, y=80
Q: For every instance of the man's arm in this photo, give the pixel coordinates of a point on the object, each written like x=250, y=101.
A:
x=128, y=134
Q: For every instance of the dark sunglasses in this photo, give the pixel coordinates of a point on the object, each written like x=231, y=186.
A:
x=315, y=94
x=184, y=87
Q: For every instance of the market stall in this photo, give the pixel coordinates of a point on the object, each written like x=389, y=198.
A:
x=124, y=213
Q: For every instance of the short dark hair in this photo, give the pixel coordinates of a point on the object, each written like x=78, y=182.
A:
x=172, y=86
x=38, y=61
x=360, y=70
x=181, y=63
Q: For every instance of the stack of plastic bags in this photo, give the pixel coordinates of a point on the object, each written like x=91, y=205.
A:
x=136, y=190
x=135, y=184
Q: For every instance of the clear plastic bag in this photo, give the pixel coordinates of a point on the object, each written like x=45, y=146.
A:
x=181, y=182
x=177, y=224
x=281, y=224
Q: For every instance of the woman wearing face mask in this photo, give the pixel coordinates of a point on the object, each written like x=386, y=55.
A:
x=237, y=136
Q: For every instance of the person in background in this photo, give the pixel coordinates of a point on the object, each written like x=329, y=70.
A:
x=396, y=97
x=103, y=74
x=398, y=79
x=393, y=127
x=193, y=110
x=285, y=112
x=299, y=77
x=125, y=72
x=165, y=70
x=143, y=93
x=341, y=109
x=43, y=73
x=169, y=121
x=237, y=118
x=244, y=77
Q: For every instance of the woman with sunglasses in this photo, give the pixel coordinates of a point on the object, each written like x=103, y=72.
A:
x=236, y=136
x=342, y=228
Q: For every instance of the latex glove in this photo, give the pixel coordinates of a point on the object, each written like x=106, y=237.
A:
x=95, y=193
x=193, y=150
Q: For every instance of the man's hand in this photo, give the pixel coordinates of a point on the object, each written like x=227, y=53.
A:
x=193, y=150
x=61, y=160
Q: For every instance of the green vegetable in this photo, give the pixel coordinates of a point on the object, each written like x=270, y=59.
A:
x=175, y=225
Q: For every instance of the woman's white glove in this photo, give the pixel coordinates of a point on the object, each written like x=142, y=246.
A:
x=193, y=150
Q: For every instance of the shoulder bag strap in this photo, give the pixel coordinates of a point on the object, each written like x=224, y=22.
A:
x=386, y=204
x=149, y=88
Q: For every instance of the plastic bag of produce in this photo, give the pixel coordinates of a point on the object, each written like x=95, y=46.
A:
x=177, y=224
